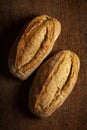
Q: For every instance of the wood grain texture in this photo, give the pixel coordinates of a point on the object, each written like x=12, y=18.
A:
x=14, y=112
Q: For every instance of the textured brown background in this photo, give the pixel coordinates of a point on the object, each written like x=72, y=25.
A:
x=14, y=112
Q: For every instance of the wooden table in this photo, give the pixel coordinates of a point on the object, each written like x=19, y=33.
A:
x=14, y=112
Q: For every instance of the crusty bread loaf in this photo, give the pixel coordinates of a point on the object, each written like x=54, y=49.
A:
x=34, y=45
x=53, y=83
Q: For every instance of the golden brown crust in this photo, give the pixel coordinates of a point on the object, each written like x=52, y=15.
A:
x=53, y=83
x=34, y=45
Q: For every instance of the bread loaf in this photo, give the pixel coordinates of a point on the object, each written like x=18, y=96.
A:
x=34, y=45
x=53, y=83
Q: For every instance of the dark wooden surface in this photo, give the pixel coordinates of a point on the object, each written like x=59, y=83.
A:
x=14, y=112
